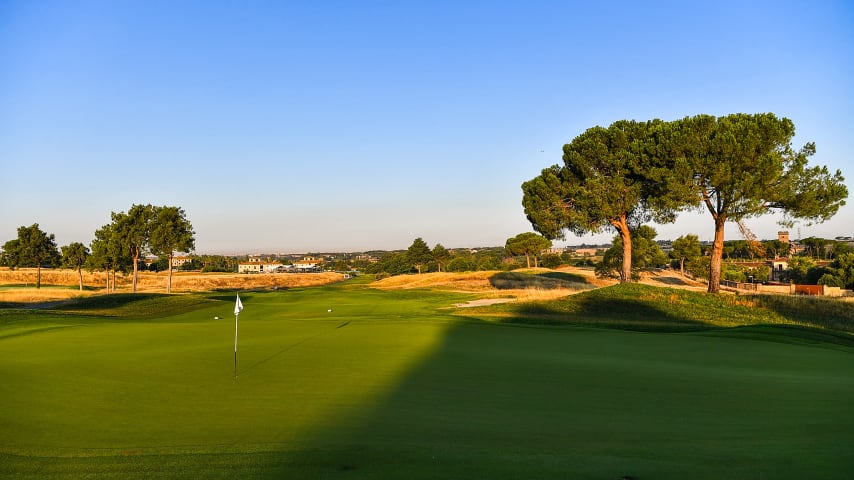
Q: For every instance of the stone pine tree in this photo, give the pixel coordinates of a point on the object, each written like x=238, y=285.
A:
x=170, y=232
x=32, y=248
x=528, y=244
x=611, y=177
x=743, y=165
x=74, y=256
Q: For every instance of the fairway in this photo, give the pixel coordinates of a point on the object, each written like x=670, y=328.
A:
x=347, y=381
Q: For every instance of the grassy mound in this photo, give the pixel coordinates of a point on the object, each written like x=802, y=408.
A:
x=525, y=279
x=647, y=308
x=548, y=280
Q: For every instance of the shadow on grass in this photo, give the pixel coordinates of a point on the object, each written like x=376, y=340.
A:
x=647, y=308
x=824, y=312
x=136, y=305
x=497, y=401
x=603, y=312
x=115, y=300
x=542, y=281
x=628, y=307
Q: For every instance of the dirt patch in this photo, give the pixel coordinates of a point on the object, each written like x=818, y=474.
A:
x=484, y=302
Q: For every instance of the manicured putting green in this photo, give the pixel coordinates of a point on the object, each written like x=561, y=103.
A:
x=392, y=385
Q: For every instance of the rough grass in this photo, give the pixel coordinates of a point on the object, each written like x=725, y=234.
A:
x=648, y=308
x=525, y=285
x=467, y=282
x=17, y=295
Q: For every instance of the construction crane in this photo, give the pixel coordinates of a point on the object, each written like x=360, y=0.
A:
x=748, y=235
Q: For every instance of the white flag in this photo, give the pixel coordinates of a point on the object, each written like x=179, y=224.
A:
x=238, y=306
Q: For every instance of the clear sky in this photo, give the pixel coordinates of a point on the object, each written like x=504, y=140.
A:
x=353, y=125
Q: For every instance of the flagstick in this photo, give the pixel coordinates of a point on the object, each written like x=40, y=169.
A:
x=238, y=306
x=235, y=344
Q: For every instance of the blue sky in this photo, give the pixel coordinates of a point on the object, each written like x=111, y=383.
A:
x=319, y=126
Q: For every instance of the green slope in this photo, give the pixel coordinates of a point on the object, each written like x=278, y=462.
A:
x=393, y=385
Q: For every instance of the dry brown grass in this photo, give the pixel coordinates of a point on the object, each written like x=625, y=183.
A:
x=27, y=277
x=204, y=282
x=479, y=282
x=34, y=295
x=465, y=282
x=20, y=283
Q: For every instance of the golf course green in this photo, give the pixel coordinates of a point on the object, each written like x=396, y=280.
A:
x=349, y=381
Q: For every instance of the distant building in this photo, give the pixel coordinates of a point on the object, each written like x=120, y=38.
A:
x=778, y=266
x=308, y=264
x=363, y=257
x=257, y=265
x=178, y=262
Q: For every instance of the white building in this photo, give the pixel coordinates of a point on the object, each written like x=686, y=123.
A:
x=256, y=265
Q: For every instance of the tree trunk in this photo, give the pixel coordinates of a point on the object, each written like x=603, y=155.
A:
x=682, y=266
x=528, y=259
x=626, y=272
x=169, y=281
x=80, y=276
x=135, y=270
x=717, y=256
x=622, y=226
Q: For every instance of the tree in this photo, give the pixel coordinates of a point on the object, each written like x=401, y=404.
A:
x=841, y=248
x=613, y=177
x=440, y=255
x=74, y=256
x=461, y=264
x=551, y=260
x=218, y=263
x=170, y=231
x=32, y=248
x=527, y=244
x=396, y=263
x=132, y=230
x=699, y=267
x=684, y=248
x=10, y=253
x=841, y=270
x=776, y=248
x=488, y=262
x=108, y=253
x=418, y=254
x=817, y=247
x=645, y=253
x=744, y=166
x=799, y=269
